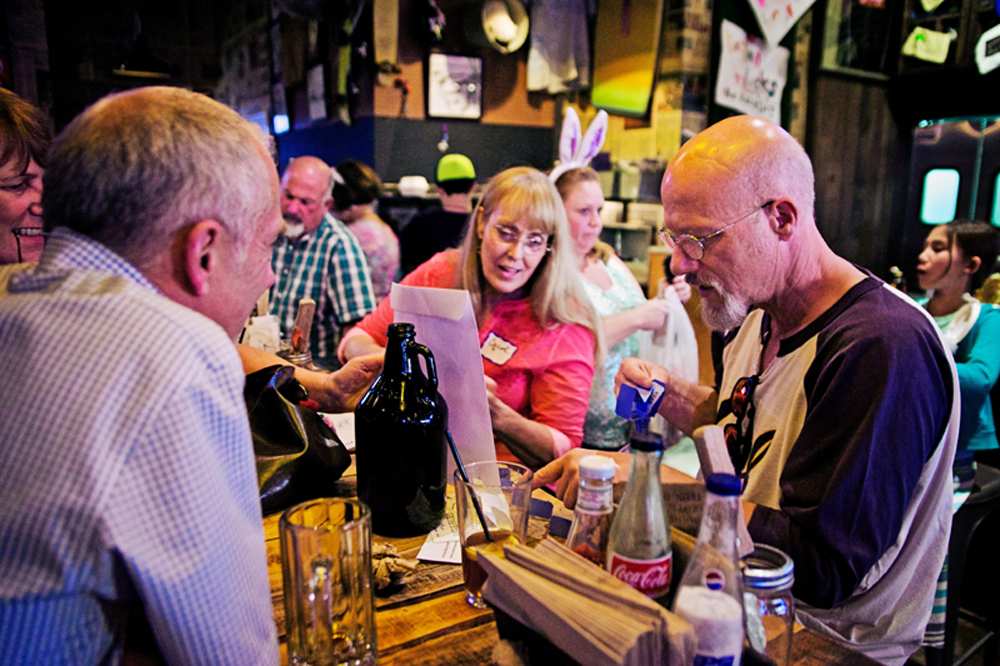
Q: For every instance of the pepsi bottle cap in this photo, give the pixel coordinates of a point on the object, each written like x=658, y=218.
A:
x=725, y=485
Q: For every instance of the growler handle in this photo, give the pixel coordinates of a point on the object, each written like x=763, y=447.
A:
x=432, y=375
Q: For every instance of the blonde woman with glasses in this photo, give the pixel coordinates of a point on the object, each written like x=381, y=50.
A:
x=539, y=334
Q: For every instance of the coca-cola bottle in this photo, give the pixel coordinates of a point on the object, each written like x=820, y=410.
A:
x=710, y=593
x=639, y=550
x=588, y=536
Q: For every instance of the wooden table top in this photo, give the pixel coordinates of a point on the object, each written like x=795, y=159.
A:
x=429, y=622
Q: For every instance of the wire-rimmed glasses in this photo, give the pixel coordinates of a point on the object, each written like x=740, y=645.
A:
x=692, y=246
x=534, y=242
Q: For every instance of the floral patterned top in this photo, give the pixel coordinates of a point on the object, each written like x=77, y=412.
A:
x=381, y=248
x=602, y=428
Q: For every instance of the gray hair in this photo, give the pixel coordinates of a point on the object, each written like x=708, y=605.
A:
x=137, y=166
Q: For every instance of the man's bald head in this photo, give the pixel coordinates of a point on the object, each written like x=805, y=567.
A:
x=306, y=197
x=309, y=165
x=736, y=164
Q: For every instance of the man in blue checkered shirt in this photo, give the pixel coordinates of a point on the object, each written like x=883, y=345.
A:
x=129, y=504
x=318, y=258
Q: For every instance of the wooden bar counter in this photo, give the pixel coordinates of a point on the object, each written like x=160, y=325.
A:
x=429, y=622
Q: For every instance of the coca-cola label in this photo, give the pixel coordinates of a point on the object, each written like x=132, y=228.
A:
x=651, y=577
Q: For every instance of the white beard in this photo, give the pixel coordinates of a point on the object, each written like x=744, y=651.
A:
x=293, y=229
x=727, y=315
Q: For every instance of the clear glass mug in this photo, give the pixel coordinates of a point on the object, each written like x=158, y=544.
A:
x=768, y=575
x=500, y=494
x=327, y=583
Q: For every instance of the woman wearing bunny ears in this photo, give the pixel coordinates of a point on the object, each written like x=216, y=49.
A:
x=539, y=335
x=613, y=290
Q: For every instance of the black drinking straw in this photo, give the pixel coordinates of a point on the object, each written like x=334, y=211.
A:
x=465, y=478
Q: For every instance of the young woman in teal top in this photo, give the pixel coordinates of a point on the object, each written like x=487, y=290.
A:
x=954, y=261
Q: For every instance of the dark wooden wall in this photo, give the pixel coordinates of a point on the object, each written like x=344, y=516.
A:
x=860, y=155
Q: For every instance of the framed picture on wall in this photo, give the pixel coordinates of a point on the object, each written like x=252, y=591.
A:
x=454, y=86
x=858, y=40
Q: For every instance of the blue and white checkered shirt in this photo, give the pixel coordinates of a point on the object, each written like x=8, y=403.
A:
x=328, y=266
x=129, y=482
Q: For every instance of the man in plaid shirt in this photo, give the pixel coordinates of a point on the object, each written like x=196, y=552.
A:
x=318, y=258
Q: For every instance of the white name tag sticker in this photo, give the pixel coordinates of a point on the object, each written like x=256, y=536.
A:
x=496, y=349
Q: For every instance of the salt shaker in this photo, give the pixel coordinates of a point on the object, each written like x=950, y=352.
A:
x=588, y=536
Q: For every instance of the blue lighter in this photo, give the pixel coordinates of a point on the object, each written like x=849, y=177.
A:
x=638, y=405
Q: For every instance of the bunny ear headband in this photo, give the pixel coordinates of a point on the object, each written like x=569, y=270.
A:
x=575, y=152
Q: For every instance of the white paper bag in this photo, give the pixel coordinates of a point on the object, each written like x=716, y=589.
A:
x=445, y=323
x=673, y=347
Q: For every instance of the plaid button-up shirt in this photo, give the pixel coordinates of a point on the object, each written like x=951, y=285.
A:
x=328, y=266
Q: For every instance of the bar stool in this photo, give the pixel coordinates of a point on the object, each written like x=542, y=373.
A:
x=979, y=509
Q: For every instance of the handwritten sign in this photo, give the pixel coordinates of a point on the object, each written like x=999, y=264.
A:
x=684, y=502
x=776, y=17
x=751, y=74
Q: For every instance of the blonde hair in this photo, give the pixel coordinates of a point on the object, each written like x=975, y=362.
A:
x=555, y=289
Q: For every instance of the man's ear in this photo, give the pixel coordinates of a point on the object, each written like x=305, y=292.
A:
x=200, y=247
x=973, y=265
x=783, y=216
x=328, y=204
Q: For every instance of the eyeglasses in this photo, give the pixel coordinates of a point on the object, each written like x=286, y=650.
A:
x=744, y=450
x=25, y=232
x=693, y=247
x=534, y=242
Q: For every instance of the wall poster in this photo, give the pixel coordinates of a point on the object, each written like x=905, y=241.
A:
x=751, y=75
x=776, y=17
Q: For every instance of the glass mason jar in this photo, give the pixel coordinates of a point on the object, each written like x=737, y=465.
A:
x=302, y=359
x=768, y=575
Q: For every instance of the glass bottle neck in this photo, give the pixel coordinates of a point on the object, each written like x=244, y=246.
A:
x=718, y=522
x=398, y=360
x=645, y=465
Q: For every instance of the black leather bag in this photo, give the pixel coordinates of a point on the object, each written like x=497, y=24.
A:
x=298, y=456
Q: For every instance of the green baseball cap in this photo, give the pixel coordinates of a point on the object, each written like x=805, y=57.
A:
x=455, y=167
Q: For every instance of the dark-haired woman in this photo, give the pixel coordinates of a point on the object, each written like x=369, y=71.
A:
x=356, y=189
x=954, y=261
x=24, y=141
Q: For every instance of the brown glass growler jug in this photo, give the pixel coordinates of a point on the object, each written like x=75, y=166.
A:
x=400, y=426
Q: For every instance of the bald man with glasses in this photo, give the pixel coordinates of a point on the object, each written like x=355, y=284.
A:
x=836, y=395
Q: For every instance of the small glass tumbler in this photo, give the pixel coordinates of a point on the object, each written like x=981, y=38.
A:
x=326, y=568
x=498, y=493
x=768, y=575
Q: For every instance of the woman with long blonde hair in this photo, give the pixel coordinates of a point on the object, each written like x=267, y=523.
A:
x=539, y=334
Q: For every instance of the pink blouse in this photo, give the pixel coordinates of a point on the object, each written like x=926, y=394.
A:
x=548, y=377
x=381, y=248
